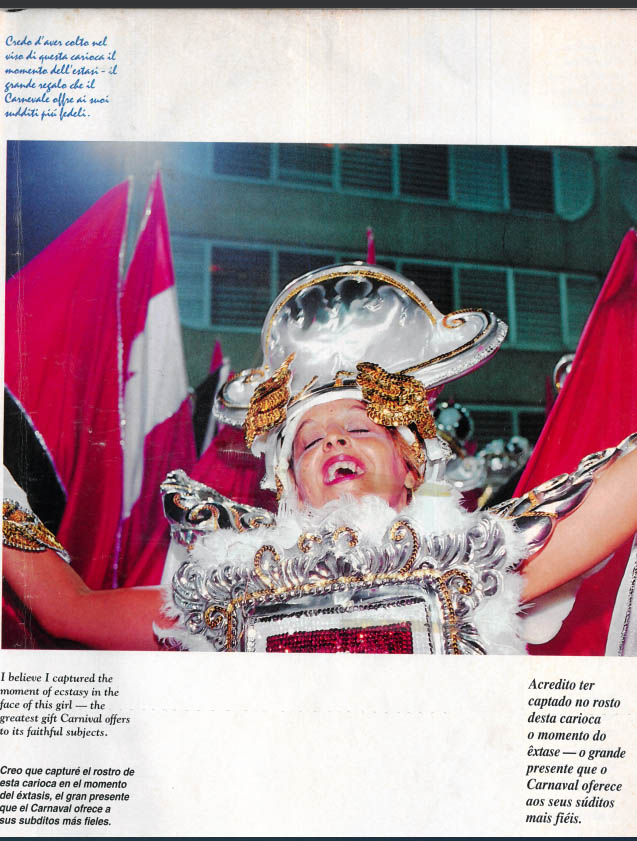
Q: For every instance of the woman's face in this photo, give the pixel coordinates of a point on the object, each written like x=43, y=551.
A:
x=339, y=450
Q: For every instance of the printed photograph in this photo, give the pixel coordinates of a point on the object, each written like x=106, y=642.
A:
x=336, y=398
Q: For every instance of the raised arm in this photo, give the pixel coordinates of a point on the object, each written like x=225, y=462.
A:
x=33, y=565
x=65, y=607
x=606, y=518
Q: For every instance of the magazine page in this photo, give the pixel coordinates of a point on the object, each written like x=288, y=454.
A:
x=297, y=302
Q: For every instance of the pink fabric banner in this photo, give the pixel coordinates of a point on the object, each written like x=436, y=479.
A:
x=158, y=431
x=216, y=358
x=371, y=248
x=61, y=364
x=596, y=408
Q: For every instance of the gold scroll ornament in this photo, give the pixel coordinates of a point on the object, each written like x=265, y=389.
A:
x=268, y=404
x=395, y=399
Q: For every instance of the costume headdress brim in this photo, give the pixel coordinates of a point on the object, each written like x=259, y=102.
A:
x=322, y=325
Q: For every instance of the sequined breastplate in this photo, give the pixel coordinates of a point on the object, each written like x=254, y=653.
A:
x=360, y=578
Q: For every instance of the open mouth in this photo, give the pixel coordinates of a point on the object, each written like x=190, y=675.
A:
x=342, y=469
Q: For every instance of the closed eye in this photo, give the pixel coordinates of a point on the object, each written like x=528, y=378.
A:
x=311, y=444
x=358, y=430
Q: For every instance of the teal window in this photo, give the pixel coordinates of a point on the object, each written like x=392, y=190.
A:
x=435, y=280
x=310, y=163
x=530, y=174
x=479, y=177
x=240, y=286
x=293, y=264
x=486, y=288
x=424, y=171
x=538, y=310
x=366, y=167
x=527, y=179
x=230, y=286
x=492, y=422
x=251, y=160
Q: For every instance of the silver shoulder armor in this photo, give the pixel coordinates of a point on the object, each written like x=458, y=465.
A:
x=536, y=513
x=191, y=506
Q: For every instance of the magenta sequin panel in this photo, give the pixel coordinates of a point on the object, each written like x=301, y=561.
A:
x=382, y=639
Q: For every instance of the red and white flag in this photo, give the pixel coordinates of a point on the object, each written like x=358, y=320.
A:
x=156, y=413
x=61, y=367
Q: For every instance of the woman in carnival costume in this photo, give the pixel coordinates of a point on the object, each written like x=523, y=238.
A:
x=371, y=549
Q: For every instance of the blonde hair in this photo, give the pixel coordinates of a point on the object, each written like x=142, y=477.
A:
x=411, y=456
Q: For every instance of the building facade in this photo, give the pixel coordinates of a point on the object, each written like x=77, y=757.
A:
x=529, y=232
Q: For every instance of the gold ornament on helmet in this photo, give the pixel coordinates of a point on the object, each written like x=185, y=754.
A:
x=268, y=404
x=395, y=399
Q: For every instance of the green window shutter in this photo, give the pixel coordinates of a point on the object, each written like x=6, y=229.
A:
x=386, y=262
x=367, y=167
x=191, y=261
x=245, y=159
x=484, y=288
x=240, y=280
x=478, y=177
x=575, y=181
x=424, y=171
x=531, y=424
x=581, y=294
x=537, y=308
x=434, y=280
x=306, y=163
x=491, y=424
x=530, y=179
x=293, y=264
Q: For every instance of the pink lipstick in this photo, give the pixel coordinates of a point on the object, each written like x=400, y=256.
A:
x=342, y=468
